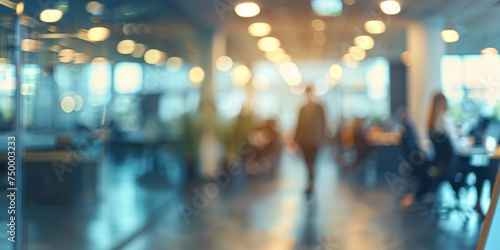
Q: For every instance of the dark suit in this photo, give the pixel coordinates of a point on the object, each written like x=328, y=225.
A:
x=310, y=132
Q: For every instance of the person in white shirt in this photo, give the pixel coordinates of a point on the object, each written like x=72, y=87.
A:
x=441, y=122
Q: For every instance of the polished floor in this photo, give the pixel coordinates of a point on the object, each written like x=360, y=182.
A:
x=347, y=211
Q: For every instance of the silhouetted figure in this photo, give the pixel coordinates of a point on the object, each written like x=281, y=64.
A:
x=310, y=133
x=361, y=144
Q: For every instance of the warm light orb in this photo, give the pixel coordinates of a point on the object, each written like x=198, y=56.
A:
x=81, y=58
x=375, y=27
x=295, y=80
x=78, y=102
x=275, y=55
x=154, y=56
x=349, y=61
x=247, y=9
x=489, y=51
x=139, y=50
x=51, y=15
x=31, y=45
x=268, y=44
x=20, y=8
x=68, y=104
x=98, y=34
x=196, y=75
x=364, y=42
x=349, y=2
x=290, y=72
x=241, y=74
x=224, y=63
x=357, y=53
x=94, y=8
x=406, y=58
x=318, y=25
x=126, y=47
x=66, y=55
x=450, y=36
x=390, y=7
x=174, y=64
x=259, y=29
x=100, y=60
x=336, y=71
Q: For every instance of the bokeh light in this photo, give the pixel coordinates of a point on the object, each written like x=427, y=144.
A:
x=259, y=29
x=224, y=63
x=247, y=9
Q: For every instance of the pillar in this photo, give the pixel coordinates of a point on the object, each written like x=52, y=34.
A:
x=424, y=75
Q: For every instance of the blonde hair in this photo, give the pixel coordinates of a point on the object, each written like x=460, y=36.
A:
x=439, y=105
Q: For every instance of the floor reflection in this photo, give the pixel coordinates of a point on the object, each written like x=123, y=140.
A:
x=345, y=212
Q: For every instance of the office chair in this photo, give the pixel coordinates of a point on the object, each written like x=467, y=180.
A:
x=416, y=163
x=447, y=171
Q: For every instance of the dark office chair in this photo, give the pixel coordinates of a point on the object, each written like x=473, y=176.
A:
x=416, y=163
x=447, y=171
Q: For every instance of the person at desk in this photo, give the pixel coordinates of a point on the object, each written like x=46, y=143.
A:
x=440, y=123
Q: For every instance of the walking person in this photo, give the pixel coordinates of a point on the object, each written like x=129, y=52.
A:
x=309, y=133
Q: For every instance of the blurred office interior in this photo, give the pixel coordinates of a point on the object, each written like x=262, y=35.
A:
x=170, y=124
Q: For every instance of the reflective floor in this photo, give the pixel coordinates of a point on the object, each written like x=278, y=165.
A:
x=347, y=211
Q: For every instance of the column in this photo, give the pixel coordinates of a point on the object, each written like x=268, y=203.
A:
x=424, y=75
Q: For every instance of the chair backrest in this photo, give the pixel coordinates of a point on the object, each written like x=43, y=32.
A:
x=444, y=152
x=409, y=146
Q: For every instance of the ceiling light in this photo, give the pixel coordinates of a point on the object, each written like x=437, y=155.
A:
x=336, y=71
x=31, y=45
x=174, y=64
x=349, y=2
x=450, y=36
x=375, y=27
x=247, y=9
x=20, y=8
x=267, y=44
x=224, y=63
x=357, y=53
x=259, y=29
x=100, y=60
x=51, y=15
x=390, y=7
x=489, y=51
x=318, y=25
x=240, y=75
x=94, y=8
x=364, y=42
x=68, y=104
x=66, y=55
x=154, y=56
x=126, y=47
x=139, y=50
x=406, y=58
x=349, y=61
x=98, y=34
x=196, y=75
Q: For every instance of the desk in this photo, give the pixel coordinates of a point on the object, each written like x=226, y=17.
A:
x=495, y=155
